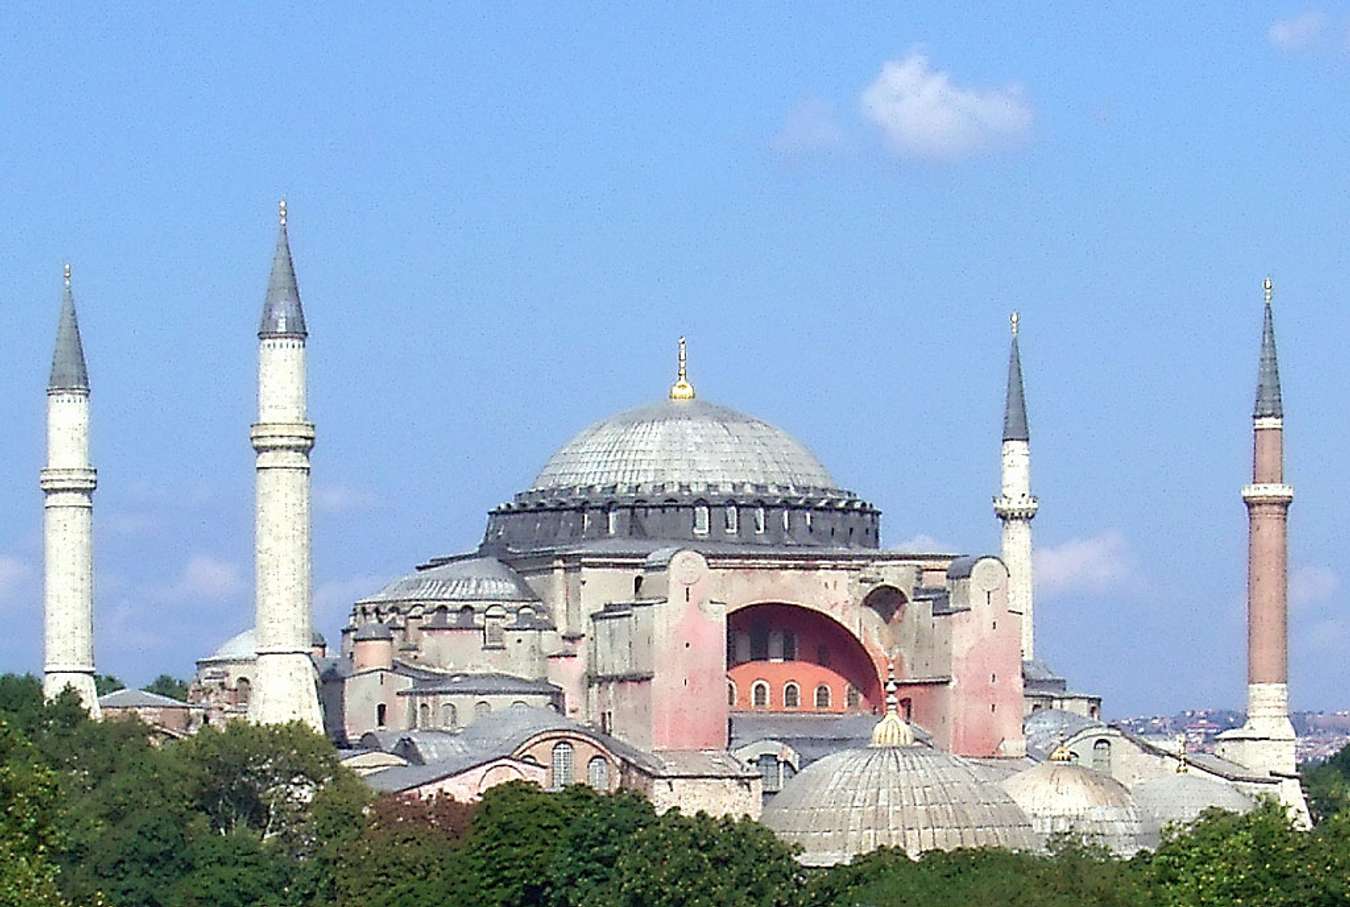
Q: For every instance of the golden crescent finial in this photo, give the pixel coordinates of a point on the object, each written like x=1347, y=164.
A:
x=1014, y=319
x=281, y=211
x=67, y=273
x=1061, y=754
x=1269, y=288
x=682, y=389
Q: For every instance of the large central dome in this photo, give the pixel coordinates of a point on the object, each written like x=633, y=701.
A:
x=685, y=443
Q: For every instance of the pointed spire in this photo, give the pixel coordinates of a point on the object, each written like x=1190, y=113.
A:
x=1015, y=409
x=68, y=369
x=1268, y=402
x=282, y=315
x=892, y=730
x=682, y=389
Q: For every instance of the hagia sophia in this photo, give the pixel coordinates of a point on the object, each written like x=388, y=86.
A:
x=685, y=602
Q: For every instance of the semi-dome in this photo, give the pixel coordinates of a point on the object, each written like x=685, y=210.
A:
x=1180, y=797
x=1061, y=797
x=889, y=795
x=685, y=443
x=473, y=579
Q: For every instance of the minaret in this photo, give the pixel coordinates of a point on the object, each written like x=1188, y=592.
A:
x=1016, y=506
x=285, y=686
x=68, y=517
x=1266, y=741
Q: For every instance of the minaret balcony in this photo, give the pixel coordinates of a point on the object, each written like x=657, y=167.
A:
x=1268, y=493
x=68, y=479
x=1020, y=507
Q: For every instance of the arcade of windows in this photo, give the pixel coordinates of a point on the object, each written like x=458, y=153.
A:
x=761, y=696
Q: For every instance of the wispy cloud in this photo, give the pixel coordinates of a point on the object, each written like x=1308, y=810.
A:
x=1297, y=32
x=810, y=126
x=1094, y=564
x=924, y=114
x=343, y=499
x=923, y=544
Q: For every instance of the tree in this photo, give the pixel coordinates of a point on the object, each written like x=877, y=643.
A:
x=1327, y=785
x=165, y=685
x=29, y=790
x=515, y=831
x=406, y=854
x=107, y=683
x=599, y=828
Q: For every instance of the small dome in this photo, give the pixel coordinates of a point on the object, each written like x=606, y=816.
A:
x=316, y=639
x=473, y=579
x=857, y=800
x=684, y=442
x=372, y=633
x=1064, y=797
x=1180, y=798
x=240, y=647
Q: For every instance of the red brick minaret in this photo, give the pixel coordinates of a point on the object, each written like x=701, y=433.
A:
x=1266, y=741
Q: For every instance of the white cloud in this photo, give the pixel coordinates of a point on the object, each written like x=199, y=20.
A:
x=810, y=126
x=923, y=544
x=343, y=499
x=1092, y=565
x=1308, y=584
x=205, y=578
x=1297, y=32
x=924, y=114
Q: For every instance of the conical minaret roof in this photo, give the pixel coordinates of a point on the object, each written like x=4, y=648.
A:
x=282, y=315
x=1015, y=409
x=68, y=368
x=1268, y=402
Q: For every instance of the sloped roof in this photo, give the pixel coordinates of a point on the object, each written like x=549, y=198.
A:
x=138, y=699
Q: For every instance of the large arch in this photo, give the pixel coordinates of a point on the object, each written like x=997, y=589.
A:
x=783, y=646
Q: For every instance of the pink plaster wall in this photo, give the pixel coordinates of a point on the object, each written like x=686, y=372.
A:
x=689, y=699
x=986, y=692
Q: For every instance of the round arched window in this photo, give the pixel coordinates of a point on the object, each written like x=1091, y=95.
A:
x=823, y=696
x=792, y=696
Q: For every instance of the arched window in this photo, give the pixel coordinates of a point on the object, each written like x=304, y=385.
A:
x=519, y=704
x=448, y=716
x=597, y=773
x=481, y=708
x=809, y=522
x=792, y=696
x=242, y=691
x=494, y=624
x=562, y=765
x=759, y=695
x=733, y=522
x=787, y=519
x=851, y=696
x=465, y=615
x=731, y=694
x=823, y=696
x=1101, y=756
x=424, y=715
x=768, y=770
x=759, y=519
x=701, y=519
x=379, y=715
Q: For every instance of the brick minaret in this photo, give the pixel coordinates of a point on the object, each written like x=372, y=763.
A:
x=1266, y=741
x=1016, y=505
x=68, y=484
x=285, y=687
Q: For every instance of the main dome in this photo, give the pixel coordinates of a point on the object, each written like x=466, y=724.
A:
x=685, y=443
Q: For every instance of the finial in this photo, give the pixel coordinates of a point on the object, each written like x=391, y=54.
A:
x=892, y=730
x=1061, y=754
x=682, y=389
x=67, y=275
x=1269, y=288
x=281, y=211
x=1014, y=319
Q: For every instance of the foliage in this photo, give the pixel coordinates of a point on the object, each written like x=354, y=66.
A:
x=167, y=685
x=404, y=854
x=28, y=837
x=1327, y=786
x=107, y=683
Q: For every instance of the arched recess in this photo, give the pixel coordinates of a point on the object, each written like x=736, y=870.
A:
x=825, y=653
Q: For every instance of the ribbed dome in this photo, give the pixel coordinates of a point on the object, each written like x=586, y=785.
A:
x=1061, y=797
x=244, y=646
x=1180, y=797
x=475, y=579
x=921, y=799
x=684, y=442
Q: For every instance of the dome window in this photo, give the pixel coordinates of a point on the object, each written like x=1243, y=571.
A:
x=611, y=519
x=792, y=696
x=759, y=694
x=823, y=696
x=481, y=708
x=759, y=520
x=700, y=519
x=733, y=522
x=424, y=715
x=852, y=697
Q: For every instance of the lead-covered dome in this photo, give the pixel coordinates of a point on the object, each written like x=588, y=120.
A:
x=685, y=443
x=1064, y=798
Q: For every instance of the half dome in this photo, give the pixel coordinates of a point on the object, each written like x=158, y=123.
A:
x=1180, y=797
x=688, y=443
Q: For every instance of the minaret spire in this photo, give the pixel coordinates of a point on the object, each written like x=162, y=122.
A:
x=68, y=483
x=284, y=688
x=682, y=389
x=1016, y=506
x=1266, y=741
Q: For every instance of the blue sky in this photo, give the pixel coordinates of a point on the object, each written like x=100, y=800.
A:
x=502, y=216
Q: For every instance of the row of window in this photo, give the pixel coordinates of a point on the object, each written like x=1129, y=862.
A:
x=731, y=520
x=449, y=714
x=562, y=771
x=761, y=698
x=763, y=644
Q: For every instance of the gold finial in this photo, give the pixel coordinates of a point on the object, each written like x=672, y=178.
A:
x=1269, y=288
x=682, y=389
x=67, y=275
x=1014, y=319
x=1061, y=754
x=892, y=730
x=281, y=211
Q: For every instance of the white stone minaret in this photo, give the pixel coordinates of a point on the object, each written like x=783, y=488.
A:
x=1016, y=506
x=68, y=519
x=285, y=687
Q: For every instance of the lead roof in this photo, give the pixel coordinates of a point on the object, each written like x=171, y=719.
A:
x=1268, y=401
x=1015, y=406
x=68, y=368
x=282, y=315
